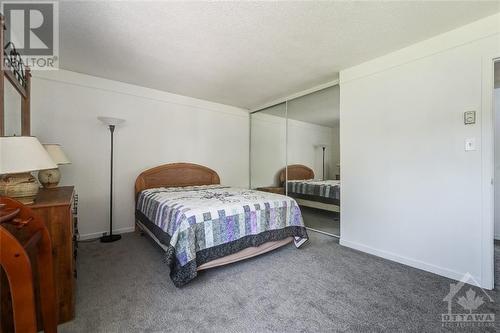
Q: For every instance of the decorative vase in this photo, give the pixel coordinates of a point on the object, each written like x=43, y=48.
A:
x=49, y=178
x=20, y=186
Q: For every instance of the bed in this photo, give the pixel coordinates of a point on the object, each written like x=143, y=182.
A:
x=201, y=224
x=300, y=185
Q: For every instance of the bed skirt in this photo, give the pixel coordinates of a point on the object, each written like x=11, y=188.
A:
x=181, y=275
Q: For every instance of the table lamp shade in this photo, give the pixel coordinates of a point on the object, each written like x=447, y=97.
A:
x=19, y=154
x=57, y=154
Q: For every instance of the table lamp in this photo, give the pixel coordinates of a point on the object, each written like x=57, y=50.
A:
x=19, y=156
x=51, y=177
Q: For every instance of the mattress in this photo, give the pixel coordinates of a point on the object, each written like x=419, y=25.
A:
x=326, y=191
x=200, y=224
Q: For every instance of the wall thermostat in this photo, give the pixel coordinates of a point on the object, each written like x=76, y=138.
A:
x=469, y=117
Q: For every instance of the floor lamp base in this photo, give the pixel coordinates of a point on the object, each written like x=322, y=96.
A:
x=110, y=238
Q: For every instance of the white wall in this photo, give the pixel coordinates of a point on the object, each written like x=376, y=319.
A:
x=269, y=144
x=497, y=163
x=335, y=153
x=403, y=158
x=268, y=149
x=303, y=139
x=160, y=128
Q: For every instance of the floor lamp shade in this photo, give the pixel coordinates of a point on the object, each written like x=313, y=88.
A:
x=111, y=123
x=19, y=156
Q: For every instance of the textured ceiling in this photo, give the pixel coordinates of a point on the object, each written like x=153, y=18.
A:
x=244, y=53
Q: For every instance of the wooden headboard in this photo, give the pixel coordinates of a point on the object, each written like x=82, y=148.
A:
x=296, y=172
x=174, y=175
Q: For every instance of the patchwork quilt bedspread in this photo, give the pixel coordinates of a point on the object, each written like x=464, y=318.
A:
x=202, y=223
x=321, y=188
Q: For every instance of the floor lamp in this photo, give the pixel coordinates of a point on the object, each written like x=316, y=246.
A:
x=111, y=123
x=323, y=162
x=322, y=146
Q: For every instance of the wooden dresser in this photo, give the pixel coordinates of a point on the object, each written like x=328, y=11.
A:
x=55, y=207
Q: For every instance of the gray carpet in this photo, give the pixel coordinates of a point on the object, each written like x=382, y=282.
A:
x=322, y=220
x=324, y=287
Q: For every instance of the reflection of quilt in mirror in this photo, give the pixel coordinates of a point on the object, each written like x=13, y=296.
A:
x=326, y=191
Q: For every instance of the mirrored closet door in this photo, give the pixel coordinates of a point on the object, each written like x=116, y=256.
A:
x=313, y=158
x=268, y=149
x=294, y=150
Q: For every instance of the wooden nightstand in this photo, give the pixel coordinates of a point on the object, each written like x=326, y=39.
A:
x=272, y=189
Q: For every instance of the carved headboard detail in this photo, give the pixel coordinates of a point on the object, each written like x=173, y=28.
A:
x=296, y=172
x=174, y=175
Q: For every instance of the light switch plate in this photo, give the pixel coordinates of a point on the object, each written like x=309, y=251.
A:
x=470, y=144
x=469, y=117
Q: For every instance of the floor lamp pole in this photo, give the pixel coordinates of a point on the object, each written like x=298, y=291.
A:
x=323, y=162
x=110, y=237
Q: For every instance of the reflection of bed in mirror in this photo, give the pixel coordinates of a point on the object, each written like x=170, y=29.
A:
x=300, y=184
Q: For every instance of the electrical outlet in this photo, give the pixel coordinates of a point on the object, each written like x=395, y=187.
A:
x=470, y=144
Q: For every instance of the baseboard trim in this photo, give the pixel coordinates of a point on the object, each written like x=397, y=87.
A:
x=99, y=234
x=409, y=262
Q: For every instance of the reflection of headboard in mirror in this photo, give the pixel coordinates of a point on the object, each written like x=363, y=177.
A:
x=296, y=172
x=19, y=76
